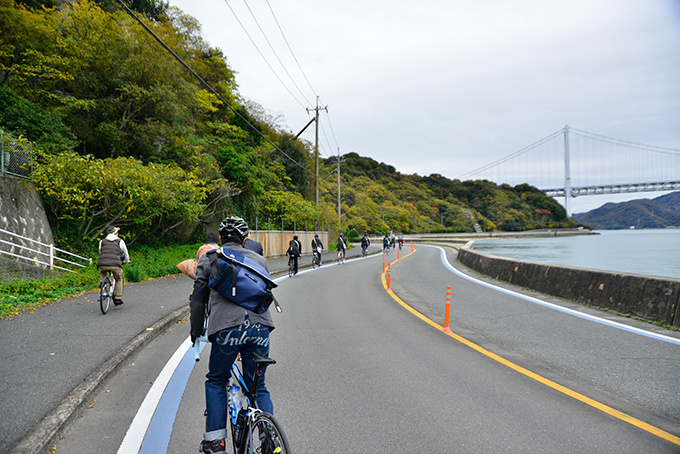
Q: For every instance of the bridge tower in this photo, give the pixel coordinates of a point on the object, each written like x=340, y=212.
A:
x=567, y=173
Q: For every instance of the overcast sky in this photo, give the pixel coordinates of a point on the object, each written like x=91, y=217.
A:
x=448, y=86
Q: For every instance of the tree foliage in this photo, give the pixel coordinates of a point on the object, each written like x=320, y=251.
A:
x=86, y=195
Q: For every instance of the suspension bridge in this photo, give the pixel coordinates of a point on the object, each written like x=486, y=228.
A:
x=571, y=163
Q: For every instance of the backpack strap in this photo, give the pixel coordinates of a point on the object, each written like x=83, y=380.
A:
x=215, y=269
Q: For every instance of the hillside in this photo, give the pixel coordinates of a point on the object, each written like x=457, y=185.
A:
x=376, y=197
x=660, y=212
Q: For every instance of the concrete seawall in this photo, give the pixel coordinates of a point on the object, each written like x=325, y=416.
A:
x=649, y=297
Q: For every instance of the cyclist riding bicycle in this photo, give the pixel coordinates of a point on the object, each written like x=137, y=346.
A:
x=365, y=243
x=113, y=254
x=342, y=246
x=386, y=243
x=294, y=251
x=317, y=247
x=232, y=329
x=401, y=241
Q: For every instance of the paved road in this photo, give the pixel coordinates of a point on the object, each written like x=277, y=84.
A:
x=48, y=352
x=359, y=373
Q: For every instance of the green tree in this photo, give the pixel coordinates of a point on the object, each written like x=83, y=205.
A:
x=85, y=195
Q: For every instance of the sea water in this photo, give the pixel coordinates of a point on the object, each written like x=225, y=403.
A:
x=653, y=252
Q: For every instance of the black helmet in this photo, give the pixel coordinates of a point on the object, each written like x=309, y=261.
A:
x=233, y=229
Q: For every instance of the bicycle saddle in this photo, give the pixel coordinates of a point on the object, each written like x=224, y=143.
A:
x=260, y=360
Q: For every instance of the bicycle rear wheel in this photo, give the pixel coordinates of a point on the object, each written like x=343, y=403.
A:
x=267, y=436
x=291, y=268
x=105, y=294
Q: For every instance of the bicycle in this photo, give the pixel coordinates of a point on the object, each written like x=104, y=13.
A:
x=364, y=251
x=291, y=267
x=316, y=259
x=252, y=430
x=386, y=250
x=106, y=292
x=341, y=257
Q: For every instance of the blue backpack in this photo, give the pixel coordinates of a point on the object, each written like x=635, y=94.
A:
x=241, y=280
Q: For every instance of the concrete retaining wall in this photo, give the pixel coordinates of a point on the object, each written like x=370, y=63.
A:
x=652, y=298
x=21, y=212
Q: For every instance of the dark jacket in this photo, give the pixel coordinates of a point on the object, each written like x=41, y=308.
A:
x=253, y=246
x=109, y=254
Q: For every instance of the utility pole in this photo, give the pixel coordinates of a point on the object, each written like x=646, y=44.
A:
x=338, y=187
x=316, y=146
x=567, y=173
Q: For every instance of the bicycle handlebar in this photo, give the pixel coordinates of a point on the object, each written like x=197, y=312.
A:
x=197, y=346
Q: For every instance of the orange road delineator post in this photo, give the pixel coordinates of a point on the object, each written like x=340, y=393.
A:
x=398, y=253
x=383, y=263
x=447, y=314
x=389, y=272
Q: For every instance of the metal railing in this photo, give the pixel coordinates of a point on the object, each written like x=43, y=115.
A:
x=16, y=156
x=38, y=257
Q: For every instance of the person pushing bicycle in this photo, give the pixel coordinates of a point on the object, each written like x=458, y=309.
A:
x=113, y=254
x=232, y=329
x=317, y=247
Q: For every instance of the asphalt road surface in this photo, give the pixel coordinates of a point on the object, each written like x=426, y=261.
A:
x=358, y=372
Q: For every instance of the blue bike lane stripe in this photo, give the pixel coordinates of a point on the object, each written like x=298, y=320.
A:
x=151, y=435
x=592, y=318
x=159, y=431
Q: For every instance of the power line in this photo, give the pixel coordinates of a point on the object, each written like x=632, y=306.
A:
x=290, y=49
x=275, y=53
x=262, y=55
x=160, y=41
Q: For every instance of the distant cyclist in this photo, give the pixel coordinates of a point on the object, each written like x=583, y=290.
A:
x=401, y=241
x=386, y=244
x=317, y=247
x=113, y=254
x=294, y=251
x=342, y=246
x=365, y=243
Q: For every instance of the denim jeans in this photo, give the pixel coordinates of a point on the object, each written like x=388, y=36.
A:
x=226, y=345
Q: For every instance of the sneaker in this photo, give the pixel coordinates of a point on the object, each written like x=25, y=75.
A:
x=117, y=302
x=213, y=447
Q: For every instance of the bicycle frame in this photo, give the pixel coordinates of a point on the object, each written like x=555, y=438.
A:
x=244, y=414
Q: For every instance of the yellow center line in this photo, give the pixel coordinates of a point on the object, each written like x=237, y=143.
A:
x=539, y=378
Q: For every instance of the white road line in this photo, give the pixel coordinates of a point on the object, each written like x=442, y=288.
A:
x=592, y=318
x=135, y=435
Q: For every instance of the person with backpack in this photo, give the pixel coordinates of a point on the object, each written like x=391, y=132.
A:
x=317, y=247
x=231, y=329
x=342, y=246
x=294, y=251
x=113, y=254
x=365, y=243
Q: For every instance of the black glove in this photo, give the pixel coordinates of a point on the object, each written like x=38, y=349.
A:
x=197, y=319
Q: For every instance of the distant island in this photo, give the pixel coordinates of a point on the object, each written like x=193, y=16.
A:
x=661, y=212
